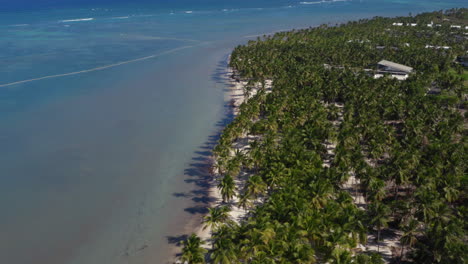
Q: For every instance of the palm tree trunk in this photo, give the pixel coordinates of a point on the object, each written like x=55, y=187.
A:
x=402, y=252
x=378, y=239
x=355, y=188
x=395, y=198
x=211, y=237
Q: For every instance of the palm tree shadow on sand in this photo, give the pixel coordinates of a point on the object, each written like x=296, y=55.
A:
x=198, y=174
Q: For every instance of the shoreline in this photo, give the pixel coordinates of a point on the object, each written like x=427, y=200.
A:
x=234, y=97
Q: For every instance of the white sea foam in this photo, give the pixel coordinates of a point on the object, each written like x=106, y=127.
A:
x=311, y=3
x=188, y=12
x=124, y=17
x=322, y=2
x=230, y=10
x=77, y=20
x=19, y=25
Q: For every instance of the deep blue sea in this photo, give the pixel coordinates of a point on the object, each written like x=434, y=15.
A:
x=107, y=112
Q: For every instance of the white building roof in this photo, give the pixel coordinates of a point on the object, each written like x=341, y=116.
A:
x=395, y=76
x=395, y=66
x=437, y=47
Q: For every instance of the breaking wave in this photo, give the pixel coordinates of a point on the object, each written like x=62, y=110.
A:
x=77, y=20
x=322, y=2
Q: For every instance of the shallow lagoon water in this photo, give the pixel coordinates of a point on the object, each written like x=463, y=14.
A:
x=99, y=166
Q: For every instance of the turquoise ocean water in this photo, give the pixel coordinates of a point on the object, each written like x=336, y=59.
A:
x=106, y=113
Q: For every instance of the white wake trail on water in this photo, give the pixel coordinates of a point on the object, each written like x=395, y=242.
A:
x=98, y=68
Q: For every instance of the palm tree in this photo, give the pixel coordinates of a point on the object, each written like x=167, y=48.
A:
x=372, y=258
x=224, y=252
x=227, y=187
x=378, y=213
x=216, y=216
x=245, y=201
x=193, y=252
x=409, y=238
x=255, y=186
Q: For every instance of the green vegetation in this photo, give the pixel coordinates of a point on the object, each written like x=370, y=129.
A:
x=465, y=77
x=403, y=143
x=193, y=251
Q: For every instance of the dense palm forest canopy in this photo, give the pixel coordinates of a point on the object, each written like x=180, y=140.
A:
x=403, y=143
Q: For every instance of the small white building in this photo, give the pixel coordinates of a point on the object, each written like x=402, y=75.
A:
x=455, y=26
x=397, y=24
x=358, y=41
x=412, y=24
x=437, y=47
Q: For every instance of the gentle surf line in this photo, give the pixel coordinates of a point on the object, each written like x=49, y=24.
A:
x=322, y=2
x=98, y=68
x=77, y=20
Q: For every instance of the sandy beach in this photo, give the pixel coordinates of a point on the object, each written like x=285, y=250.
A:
x=235, y=96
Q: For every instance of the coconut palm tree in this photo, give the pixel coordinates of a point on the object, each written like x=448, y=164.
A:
x=378, y=213
x=227, y=187
x=193, y=252
x=255, y=186
x=215, y=217
x=409, y=238
x=224, y=252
